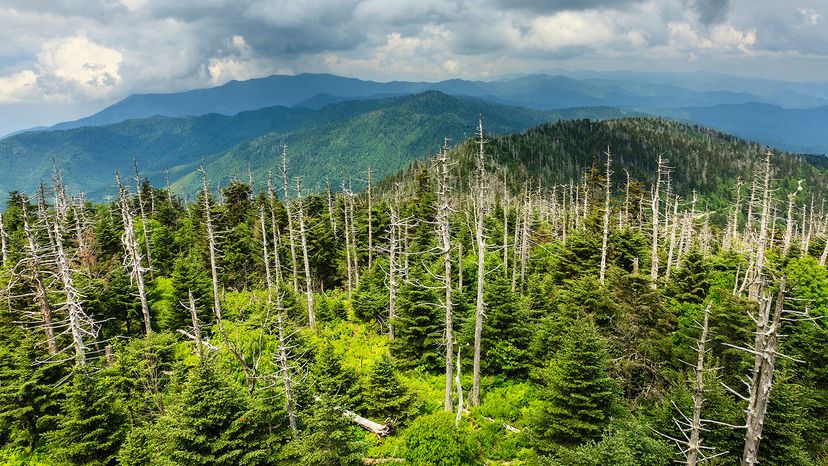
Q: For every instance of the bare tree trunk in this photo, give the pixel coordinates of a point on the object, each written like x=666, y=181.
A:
x=144, y=224
x=133, y=255
x=810, y=229
x=524, y=242
x=481, y=265
x=671, y=249
x=516, y=254
x=444, y=231
x=284, y=370
x=393, y=266
x=655, y=209
x=736, y=210
x=73, y=298
x=275, y=229
x=505, y=228
x=290, y=221
x=211, y=244
x=767, y=335
x=351, y=209
x=694, y=444
x=331, y=215
x=789, y=222
x=763, y=228
x=459, y=390
x=605, y=237
x=305, y=258
x=196, y=325
x=626, y=217
x=40, y=288
x=370, y=221
x=460, y=266
x=3, y=242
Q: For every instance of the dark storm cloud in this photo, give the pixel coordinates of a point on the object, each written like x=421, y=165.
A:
x=548, y=6
x=711, y=11
x=52, y=50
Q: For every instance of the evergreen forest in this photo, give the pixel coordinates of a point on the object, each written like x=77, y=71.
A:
x=625, y=292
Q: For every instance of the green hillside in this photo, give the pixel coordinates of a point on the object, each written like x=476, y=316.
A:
x=341, y=138
x=385, y=135
x=702, y=159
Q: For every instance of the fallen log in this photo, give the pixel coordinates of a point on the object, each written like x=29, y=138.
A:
x=381, y=430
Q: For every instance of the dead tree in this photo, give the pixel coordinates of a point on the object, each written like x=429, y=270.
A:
x=691, y=428
x=605, y=238
x=211, y=245
x=654, y=200
x=694, y=447
x=524, y=240
x=370, y=220
x=763, y=228
x=290, y=221
x=459, y=385
x=672, y=246
x=274, y=228
x=273, y=290
x=132, y=257
x=479, y=214
x=80, y=326
x=3, y=242
x=35, y=264
x=734, y=233
x=393, y=266
x=767, y=336
x=305, y=258
x=196, y=325
x=331, y=215
x=789, y=222
x=347, y=232
x=144, y=224
x=444, y=232
x=351, y=208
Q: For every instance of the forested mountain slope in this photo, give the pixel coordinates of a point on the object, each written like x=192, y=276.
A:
x=699, y=159
x=449, y=320
x=341, y=138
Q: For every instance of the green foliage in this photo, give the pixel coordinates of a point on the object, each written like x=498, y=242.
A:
x=211, y=423
x=628, y=444
x=579, y=395
x=385, y=396
x=92, y=423
x=329, y=439
x=434, y=440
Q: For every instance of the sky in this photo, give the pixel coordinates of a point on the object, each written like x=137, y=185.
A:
x=62, y=59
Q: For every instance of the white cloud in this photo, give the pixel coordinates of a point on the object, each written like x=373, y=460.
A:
x=77, y=60
x=18, y=86
x=571, y=29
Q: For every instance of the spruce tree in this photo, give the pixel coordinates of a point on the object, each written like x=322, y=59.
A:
x=329, y=438
x=385, y=395
x=418, y=326
x=92, y=423
x=210, y=424
x=334, y=381
x=578, y=397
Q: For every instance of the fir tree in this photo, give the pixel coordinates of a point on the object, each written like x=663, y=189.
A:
x=579, y=394
x=329, y=438
x=385, y=395
x=92, y=423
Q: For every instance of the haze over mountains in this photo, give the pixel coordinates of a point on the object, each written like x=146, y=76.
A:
x=336, y=126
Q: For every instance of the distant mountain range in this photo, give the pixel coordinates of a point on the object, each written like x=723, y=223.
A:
x=789, y=116
x=336, y=126
x=339, y=140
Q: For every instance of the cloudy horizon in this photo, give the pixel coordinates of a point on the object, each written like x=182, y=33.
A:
x=60, y=60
